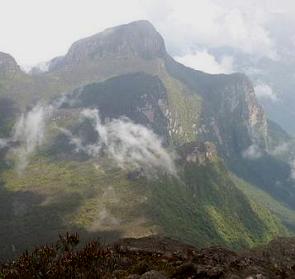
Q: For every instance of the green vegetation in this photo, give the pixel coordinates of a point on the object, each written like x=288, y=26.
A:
x=202, y=207
x=63, y=190
x=185, y=109
x=209, y=208
x=265, y=200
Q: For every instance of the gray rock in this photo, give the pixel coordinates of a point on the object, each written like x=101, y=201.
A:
x=153, y=275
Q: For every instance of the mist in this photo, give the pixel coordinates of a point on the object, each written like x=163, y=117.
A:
x=29, y=133
x=3, y=143
x=130, y=145
x=253, y=152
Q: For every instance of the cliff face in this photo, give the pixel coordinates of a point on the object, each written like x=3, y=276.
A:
x=230, y=115
x=139, y=96
x=201, y=153
x=234, y=118
x=125, y=71
x=217, y=108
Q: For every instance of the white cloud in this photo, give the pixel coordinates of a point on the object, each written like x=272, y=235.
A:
x=130, y=145
x=39, y=30
x=41, y=67
x=34, y=30
x=264, y=91
x=217, y=24
x=3, y=143
x=204, y=61
x=292, y=170
x=281, y=149
x=253, y=152
x=29, y=133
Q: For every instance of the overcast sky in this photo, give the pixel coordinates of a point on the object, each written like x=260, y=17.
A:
x=38, y=30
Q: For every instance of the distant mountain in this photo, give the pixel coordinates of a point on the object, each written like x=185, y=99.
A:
x=274, y=79
x=109, y=174
x=139, y=39
x=8, y=66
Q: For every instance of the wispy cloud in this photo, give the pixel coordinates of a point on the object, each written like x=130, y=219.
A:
x=130, y=145
x=265, y=91
x=216, y=24
x=292, y=170
x=3, y=143
x=206, y=62
x=281, y=149
x=253, y=27
x=253, y=152
x=29, y=133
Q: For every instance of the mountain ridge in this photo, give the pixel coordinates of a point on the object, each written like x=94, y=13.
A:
x=136, y=38
x=152, y=257
x=183, y=108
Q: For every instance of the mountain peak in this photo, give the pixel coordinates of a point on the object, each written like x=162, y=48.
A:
x=141, y=24
x=138, y=38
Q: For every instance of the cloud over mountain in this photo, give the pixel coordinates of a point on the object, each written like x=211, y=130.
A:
x=130, y=145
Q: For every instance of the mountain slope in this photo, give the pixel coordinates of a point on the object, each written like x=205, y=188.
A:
x=64, y=190
x=83, y=177
x=204, y=207
x=193, y=96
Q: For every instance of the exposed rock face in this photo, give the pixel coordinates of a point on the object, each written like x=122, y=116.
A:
x=140, y=97
x=138, y=38
x=229, y=115
x=236, y=119
x=202, y=153
x=125, y=71
x=8, y=66
x=257, y=121
x=239, y=102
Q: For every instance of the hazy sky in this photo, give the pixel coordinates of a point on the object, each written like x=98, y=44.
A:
x=38, y=30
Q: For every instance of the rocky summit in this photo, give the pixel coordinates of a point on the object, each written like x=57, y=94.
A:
x=139, y=38
x=152, y=258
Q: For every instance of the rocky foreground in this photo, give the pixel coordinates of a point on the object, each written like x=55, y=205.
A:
x=151, y=257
